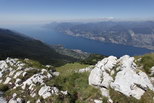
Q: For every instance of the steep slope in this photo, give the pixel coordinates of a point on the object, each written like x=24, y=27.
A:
x=13, y=44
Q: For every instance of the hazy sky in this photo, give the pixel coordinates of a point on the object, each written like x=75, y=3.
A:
x=32, y=11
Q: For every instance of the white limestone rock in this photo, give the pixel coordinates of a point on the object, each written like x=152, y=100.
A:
x=152, y=80
x=64, y=92
x=18, y=100
x=17, y=74
x=12, y=101
x=46, y=73
x=129, y=81
x=55, y=73
x=33, y=94
x=97, y=101
x=1, y=74
x=28, y=101
x=87, y=69
x=47, y=91
x=12, y=72
x=38, y=101
x=99, y=76
x=3, y=65
x=18, y=81
x=36, y=78
x=152, y=71
x=24, y=73
x=7, y=80
x=105, y=92
x=15, y=69
x=126, y=78
x=2, y=99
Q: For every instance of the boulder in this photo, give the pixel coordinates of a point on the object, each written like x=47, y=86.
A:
x=121, y=75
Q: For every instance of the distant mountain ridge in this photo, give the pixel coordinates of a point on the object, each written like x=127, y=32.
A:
x=133, y=33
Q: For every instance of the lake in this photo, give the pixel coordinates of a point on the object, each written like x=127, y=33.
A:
x=52, y=37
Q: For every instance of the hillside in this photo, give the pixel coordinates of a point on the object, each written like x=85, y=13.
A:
x=111, y=80
x=132, y=33
x=25, y=77
x=74, y=53
x=13, y=44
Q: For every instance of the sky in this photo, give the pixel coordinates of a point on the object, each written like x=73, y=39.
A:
x=40, y=11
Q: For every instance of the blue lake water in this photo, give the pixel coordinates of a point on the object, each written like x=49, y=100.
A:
x=71, y=42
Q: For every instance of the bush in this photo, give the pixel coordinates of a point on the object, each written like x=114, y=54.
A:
x=118, y=97
x=3, y=87
x=147, y=61
x=92, y=59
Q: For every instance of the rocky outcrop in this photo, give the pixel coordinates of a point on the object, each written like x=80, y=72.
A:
x=87, y=69
x=122, y=75
x=30, y=81
x=47, y=91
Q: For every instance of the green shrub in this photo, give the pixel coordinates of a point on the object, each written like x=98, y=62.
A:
x=147, y=61
x=92, y=59
x=118, y=97
x=3, y=87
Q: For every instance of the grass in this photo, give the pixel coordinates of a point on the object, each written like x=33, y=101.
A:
x=79, y=90
x=77, y=86
x=33, y=64
x=92, y=59
x=148, y=97
x=70, y=67
x=118, y=97
x=147, y=61
x=75, y=83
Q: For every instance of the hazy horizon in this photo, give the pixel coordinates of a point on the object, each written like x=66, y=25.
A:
x=40, y=12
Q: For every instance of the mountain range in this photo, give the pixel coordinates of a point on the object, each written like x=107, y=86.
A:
x=132, y=33
x=73, y=76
